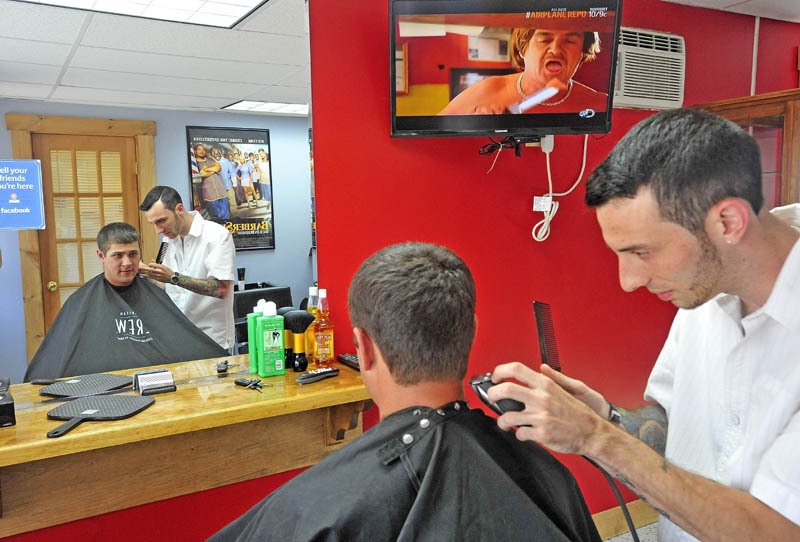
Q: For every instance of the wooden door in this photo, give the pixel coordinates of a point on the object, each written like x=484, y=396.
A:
x=88, y=181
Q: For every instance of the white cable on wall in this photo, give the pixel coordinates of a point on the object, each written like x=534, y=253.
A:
x=541, y=230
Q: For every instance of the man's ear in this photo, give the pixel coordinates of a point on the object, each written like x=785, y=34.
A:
x=180, y=207
x=365, y=348
x=727, y=220
x=100, y=255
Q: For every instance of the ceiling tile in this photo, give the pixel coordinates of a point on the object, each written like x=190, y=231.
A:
x=299, y=77
x=180, y=86
x=35, y=52
x=782, y=10
x=121, y=97
x=37, y=22
x=117, y=32
x=278, y=16
x=23, y=72
x=24, y=90
x=178, y=66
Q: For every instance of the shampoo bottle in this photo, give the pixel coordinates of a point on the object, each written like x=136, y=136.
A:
x=271, y=328
x=258, y=338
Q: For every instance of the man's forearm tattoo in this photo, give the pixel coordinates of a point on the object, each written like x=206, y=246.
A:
x=648, y=424
x=211, y=287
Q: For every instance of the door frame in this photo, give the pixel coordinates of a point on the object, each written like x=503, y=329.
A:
x=21, y=128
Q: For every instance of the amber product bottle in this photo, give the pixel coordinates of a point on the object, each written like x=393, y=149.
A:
x=323, y=333
x=313, y=306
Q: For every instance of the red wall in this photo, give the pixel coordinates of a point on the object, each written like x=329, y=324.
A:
x=373, y=190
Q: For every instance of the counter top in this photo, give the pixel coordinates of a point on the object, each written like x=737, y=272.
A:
x=203, y=400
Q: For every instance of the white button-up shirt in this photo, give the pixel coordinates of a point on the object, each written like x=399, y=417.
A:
x=731, y=390
x=206, y=251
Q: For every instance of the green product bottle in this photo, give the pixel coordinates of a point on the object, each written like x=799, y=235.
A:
x=271, y=355
x=251, y=339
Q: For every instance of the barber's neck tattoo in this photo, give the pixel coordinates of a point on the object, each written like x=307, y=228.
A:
x=211, y=287
x=648, y=424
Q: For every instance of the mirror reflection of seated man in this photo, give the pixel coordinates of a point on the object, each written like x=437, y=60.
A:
x=546, y=58
x=433, y=469
x=118, y=320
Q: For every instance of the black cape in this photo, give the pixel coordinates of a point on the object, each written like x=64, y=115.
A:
x=107, y=328
x=456, y=476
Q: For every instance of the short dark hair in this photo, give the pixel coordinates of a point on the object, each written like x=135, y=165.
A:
x=417, y=302
x=691, y=160
x=116, y=233
x=167, y=195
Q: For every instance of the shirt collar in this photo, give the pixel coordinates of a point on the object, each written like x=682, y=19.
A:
x=780, y=303
x=197, y=224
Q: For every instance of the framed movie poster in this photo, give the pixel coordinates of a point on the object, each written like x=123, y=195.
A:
x=231, y=181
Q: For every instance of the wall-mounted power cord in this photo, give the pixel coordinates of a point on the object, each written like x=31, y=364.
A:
x=497, y=147
x=545, y=203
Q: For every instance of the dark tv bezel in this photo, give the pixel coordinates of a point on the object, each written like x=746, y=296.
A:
x=521, y=126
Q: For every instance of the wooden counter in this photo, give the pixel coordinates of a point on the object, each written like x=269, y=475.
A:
x=207, y=434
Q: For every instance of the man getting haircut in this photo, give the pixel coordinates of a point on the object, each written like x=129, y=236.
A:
x=432, y=469
x=118, y=320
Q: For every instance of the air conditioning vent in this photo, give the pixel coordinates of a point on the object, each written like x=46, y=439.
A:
x=650, y=69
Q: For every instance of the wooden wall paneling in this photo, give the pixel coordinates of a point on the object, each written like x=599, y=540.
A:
x=146, y=176
x=790, y=156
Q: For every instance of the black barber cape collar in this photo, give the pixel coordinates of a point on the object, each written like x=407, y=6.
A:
x=102, y=327
x=425, y=474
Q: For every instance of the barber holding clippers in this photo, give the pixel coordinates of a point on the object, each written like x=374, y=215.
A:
x=679, y=200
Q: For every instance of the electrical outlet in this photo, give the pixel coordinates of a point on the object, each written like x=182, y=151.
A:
x=542, y=203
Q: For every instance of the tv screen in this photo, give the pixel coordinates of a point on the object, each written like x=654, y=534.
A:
x=522, y=68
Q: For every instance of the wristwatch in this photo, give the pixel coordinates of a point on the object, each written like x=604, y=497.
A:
x=613, y=414
x=174, y=278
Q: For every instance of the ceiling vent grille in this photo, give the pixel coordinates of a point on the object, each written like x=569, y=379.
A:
x=650, y=69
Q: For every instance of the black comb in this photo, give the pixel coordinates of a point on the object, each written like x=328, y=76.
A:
x=547, y=336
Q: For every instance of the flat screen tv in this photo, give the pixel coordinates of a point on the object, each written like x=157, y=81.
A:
x=522, y=68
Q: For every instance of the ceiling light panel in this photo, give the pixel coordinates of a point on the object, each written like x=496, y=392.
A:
x=268, y=107
x=221, y=13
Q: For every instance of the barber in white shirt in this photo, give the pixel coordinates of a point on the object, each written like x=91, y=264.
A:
x=679, y=200
x=199, y=266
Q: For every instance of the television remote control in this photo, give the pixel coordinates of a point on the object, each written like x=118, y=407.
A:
x=317, y=374
x=481, y=385
x=351, y=360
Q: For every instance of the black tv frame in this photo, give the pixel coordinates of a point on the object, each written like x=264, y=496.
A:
x=521, y=127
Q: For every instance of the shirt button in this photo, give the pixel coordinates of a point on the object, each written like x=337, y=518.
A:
x=424, y=423
x=440, y=412
x=408, y=438
x=417, y=412
x=736, y=419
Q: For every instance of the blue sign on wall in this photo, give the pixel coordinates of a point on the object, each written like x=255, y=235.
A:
x=21, y=199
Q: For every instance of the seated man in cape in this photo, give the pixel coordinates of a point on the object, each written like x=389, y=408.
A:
x=118, y=320
x=433, y=469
